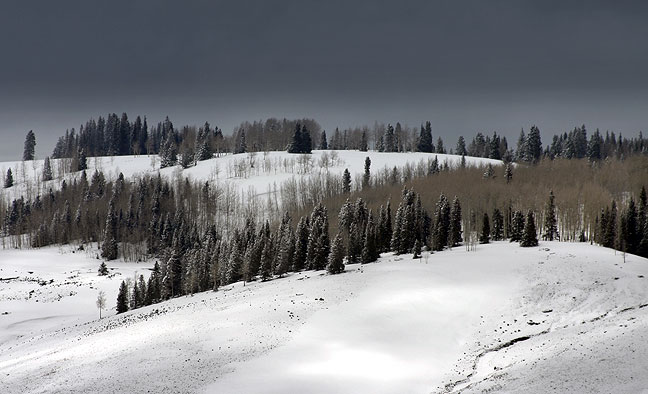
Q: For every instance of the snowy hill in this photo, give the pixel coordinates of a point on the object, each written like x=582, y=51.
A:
x=563, y=317
x=246, y=173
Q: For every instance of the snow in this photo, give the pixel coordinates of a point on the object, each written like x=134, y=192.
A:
x=247, y=173
x=564, y=317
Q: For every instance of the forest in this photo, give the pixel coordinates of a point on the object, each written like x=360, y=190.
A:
x=203, y=236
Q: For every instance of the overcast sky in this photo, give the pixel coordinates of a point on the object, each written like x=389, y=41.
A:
x=467, y=66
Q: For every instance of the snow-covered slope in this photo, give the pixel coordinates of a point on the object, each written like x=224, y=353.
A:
x=562, y=317
x=259, y=172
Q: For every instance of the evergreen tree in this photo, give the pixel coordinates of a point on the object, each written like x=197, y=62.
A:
x=369, y=250
x=533, y=146
x=416, y=250
x=508, y=173
x=551, y=224
x=389, y=140
x=122, y=298
x=497, y=233
x=336, y=256
x=364, y=144
x=610, y=230
x=265, y=271
x=425, y=138
x=517, y=226
x=47, y=170
x=461, y=147
x=82, y=161
x=346, y=182
x=441, y=223
x=529, y=237
x=109, y=249
x=439, y=146
x=103, y=269
x=9, y=181
x=323, y=145
x=521, y=151
x=30, y=146
x=484, y=238
x=301, y=244
x=455, y=223
x=366, y=178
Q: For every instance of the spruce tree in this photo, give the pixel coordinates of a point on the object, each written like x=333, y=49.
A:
x=109, y=249
x=529, y=237
x=533, y=145
x=441, y=223
x=301, y=244
x=122, y=298
x=30, y=146
x=364, y=144
x=497, y=233
x=416, y=250
x=9, y=181
x=335, y=263
x=484, y=238
x=82, y=161
x=508, y=173
x=47, y=170
x=369, y=248
x=517, y=226
x=354, y=250
x=323, y=145
x=425, y=139
x=346, y=181
x=461, y=147
x=551, y=225
x=265, y=270
x=366, y=178
x=455, y=223
x=103, y=269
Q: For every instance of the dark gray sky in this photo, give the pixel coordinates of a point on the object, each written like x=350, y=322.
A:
x=467, y=66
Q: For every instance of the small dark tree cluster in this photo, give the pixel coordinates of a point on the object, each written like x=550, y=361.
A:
x=301, y=140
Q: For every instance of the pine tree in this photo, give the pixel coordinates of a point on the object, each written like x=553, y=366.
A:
x=346, y=181
x=323, y=145
x=265, y=270
x=366, y=178
x=533, y=145
x=30, y=146
x=441, y=223
x=455, y=223
x=425, y=139
x=364, y=144
x=439, y=147
x=9, y=181
x=529, y=237
x=498, y=225
x=416, y=250
x=461, y=147
x=82, y=161
x=122, y=298
x=336, y=256
x=103, y=269
x=508, y=173
x=389, y=139
x=301, y=244
x=484, y=238
x=47, y=170
x=551, y=225
x=109, y=249
x=517, y=226
x=369, y=248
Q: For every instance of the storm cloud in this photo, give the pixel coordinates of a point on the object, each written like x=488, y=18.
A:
x=467, y=66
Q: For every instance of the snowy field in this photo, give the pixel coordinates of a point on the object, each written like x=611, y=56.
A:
x=249, y=173
x=562, y=317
